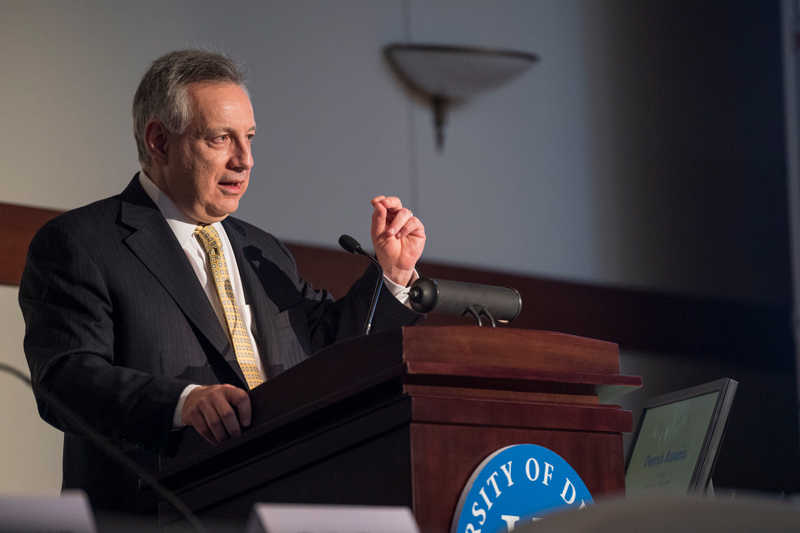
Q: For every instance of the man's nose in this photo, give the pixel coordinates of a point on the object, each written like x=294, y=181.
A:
x=242, y=157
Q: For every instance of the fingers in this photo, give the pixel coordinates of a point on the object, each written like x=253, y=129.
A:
x=413, y=227
x=389, y=217
x=398, y=237
x=404, y=223
x=210, y=410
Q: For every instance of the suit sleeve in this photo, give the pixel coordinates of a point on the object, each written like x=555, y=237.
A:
x=330, y=321
x=69, y=344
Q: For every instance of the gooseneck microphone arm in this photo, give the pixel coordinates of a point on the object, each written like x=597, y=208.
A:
x=104, y=444
x=351, y=245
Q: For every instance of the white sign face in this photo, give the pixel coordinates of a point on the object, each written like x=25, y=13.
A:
x=70, y=512
x=296, y=518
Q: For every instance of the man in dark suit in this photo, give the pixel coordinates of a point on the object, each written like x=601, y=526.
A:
x=153, y=310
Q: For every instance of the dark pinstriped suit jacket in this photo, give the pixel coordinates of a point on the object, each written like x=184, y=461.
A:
x=117, y=325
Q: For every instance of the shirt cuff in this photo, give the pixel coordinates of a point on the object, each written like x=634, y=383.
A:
x=400, y=292
x=177, y=419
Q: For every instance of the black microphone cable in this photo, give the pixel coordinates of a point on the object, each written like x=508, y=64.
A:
x=105, y=444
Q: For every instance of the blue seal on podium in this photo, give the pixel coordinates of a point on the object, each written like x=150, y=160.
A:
x=515, y=485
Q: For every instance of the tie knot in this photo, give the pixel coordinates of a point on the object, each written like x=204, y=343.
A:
x=209, y=237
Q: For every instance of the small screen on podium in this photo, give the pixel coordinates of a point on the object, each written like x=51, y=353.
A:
x=676, y=443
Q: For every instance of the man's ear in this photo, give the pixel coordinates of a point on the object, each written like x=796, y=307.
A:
x=155, y=138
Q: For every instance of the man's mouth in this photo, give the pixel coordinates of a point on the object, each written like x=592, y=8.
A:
x=232, y=186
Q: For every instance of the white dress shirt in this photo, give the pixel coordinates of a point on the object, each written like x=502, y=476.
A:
x=183, y=227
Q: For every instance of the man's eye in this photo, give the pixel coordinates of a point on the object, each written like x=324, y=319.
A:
x=221, y=138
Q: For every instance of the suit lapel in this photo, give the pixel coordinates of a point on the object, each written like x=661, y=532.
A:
x=156, y=246
x=271, y=293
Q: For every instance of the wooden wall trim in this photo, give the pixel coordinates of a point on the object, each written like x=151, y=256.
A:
x=19, y=224
x=737, y=332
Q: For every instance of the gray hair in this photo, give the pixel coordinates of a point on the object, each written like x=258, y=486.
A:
x=163, y=94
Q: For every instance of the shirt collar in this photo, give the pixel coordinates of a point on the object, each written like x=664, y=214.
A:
x=182, y=226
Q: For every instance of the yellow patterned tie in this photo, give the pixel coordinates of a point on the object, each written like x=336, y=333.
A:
x=237, y=332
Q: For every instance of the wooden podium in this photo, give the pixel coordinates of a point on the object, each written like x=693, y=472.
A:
x=403, y=418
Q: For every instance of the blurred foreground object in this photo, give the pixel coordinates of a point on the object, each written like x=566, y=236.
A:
x=666, y=515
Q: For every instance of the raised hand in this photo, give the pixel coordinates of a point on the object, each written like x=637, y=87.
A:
x=398, y=237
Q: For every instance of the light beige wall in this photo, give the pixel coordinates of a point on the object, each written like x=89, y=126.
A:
x=618, y=159
x=335, y=126
x=30, y=449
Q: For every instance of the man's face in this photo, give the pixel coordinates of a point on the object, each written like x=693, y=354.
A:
x=208, y=165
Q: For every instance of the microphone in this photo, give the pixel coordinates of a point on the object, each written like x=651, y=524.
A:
x=457, y=298
x=351, y=245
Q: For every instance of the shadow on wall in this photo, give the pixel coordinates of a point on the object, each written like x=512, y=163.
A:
x=687, y=146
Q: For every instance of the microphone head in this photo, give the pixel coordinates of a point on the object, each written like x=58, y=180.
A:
x=349, y=244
